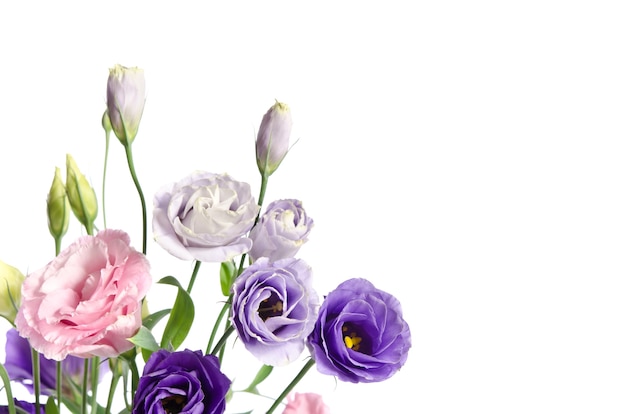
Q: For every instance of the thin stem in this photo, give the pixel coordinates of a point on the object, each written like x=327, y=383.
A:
x=291, y=385
x=95, y=367
x=104, y=175
x=131, y=167
x=217, y=323
x=36, y=378
x=59, y=385
x=193, y=275
x=84, y=387
x=223, y=339
x=134, y=378
x=115, y=378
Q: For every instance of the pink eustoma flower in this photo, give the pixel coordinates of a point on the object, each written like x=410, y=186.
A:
x=306, y=403
x=87, y=301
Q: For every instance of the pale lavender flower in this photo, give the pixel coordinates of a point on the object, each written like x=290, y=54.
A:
x=360, y=334
x=205, y=217
x=272, y=142
x=274, y=308
x=281, y=231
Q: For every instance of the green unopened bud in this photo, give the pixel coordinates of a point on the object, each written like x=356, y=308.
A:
x=58, y=207
x=81, y=195
x=126, y=97
x=11, y=281
x=272, y=142
x=106, y=122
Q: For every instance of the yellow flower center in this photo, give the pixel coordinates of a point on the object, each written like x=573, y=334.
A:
x=351, y=340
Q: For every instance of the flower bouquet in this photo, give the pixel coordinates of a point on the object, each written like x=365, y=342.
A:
x=85, y=317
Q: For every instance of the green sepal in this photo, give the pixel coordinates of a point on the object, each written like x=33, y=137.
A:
x=181, y=316
x=227, y=276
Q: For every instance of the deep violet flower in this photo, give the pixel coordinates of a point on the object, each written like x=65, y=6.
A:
x=360, y=335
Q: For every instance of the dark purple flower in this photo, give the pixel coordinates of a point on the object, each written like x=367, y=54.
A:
x=181, y=382
x=360, y=335
x=19, y=365
x=274, y=309
x=26, y=406
x=281, y=230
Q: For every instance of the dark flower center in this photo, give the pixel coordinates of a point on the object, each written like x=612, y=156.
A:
x=174, y=404
x=353, y=338
x=271, y=307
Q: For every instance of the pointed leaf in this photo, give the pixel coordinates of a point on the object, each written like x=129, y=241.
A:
x=181, y=316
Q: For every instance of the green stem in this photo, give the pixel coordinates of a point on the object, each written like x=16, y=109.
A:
x=95, y=368
x=222, y=341
x=131, y=167
x=7, y=387
x=36, y=378
x=134, y=378
x=59, y=386
x=193, y=275
x=292, y=384
x=84, y=386
x=115, y=378
x=104, y=175
x=216, y=326
x=264, y=180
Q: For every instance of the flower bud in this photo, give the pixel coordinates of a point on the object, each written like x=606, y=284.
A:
x=106, y=122
x=81, y=195
x=10, y=290
x=272, y=142
x=126, y=97
x=58, y=207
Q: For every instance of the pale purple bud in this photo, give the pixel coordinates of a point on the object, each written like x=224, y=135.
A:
x=126, y=97
x=272, y=142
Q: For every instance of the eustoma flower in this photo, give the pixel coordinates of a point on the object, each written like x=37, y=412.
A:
x=181, y=382
x=87, y=301
x=360, y=334
x=306, y=403
x=19, y=366
x=274, y=309
x=281, y=230
x=27, y=407
x=204, y=217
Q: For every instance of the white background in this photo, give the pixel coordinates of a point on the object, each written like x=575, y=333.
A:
x=467, y=157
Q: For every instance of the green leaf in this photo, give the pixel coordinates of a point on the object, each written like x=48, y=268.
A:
x=144, y=339
x=151, y=320
x=51, y=406
x=181, y=316
x=227, y=276
x=263, y=373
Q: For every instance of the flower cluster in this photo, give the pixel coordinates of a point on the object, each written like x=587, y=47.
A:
x=83, y=316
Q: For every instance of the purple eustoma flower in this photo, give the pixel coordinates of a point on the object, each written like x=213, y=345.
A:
x=281, y=231
x=274, y=309
x=360, y=335
x=19, y=365
x=181, y=382
x=28, y=407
